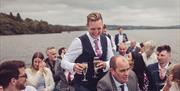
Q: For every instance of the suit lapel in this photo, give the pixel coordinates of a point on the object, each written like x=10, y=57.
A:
x=113, y=83
x=128, y=84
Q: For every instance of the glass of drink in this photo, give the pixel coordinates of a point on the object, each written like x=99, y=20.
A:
x=95, y=62
x=85, y=64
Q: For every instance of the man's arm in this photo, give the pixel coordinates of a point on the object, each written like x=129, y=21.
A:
x=73, y=52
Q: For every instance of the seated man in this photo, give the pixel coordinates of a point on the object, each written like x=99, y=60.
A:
x=119, y=77
x=12, y=75
x=122, y=49
x=122, y=52
x=133, y=47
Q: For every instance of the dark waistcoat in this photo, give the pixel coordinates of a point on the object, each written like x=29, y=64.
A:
x=88, y=56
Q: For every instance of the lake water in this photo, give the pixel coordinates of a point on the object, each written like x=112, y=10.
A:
x=22, y=47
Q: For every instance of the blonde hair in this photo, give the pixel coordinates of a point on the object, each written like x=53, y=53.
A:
x=149, y=45
x=94, y=16
x=174, y=70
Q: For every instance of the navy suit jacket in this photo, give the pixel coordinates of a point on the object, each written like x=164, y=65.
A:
x=156, y=82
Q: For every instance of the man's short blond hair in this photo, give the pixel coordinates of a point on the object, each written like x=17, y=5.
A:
x=94, y=16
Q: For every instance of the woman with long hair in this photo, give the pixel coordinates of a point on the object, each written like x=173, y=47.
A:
x=38, y=75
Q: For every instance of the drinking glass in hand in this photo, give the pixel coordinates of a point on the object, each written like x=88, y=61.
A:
x=95, y=62
x=85, y=64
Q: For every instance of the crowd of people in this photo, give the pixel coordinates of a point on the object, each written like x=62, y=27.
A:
x=95, y=61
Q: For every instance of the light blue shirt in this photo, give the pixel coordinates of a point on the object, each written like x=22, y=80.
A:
x=118, y=84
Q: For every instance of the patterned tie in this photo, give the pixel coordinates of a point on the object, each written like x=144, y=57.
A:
x=122, y=87
x=146, y=82
x=98, y=52
x=69, y=77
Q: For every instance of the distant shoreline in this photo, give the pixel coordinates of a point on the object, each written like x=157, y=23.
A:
x=15, y=25
x=86, y=29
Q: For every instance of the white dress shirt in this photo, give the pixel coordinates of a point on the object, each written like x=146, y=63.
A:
x=75, y=50
x=120, y=38
x=165, y=67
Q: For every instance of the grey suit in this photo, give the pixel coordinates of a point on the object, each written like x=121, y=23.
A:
x=61, y=84
x=107, y=83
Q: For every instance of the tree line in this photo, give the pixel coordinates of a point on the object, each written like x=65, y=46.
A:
x=11, y=24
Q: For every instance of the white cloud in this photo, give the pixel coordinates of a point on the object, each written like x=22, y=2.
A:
x=74, y=12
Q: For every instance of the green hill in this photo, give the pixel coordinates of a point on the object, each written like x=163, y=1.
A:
x=10, y=24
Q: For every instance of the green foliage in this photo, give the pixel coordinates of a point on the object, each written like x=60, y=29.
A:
x=10, y=24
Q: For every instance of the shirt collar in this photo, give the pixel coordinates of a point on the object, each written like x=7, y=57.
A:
x=166, y=66
x=118, y=84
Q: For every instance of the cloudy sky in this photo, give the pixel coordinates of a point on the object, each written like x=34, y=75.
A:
x=119, y=12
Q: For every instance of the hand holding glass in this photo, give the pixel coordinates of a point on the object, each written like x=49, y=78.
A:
x=85, y=64
x=95, y=62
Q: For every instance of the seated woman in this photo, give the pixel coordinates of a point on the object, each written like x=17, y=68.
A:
x=38, y=75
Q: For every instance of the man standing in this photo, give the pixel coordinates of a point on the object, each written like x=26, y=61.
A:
x=84, y=49
x=119, y=77
x=12, y=75
x=158, y=70
x=120, y=37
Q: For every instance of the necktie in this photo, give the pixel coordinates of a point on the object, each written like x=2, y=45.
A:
x=122, y=87
x=69, y=77
x=97, y=50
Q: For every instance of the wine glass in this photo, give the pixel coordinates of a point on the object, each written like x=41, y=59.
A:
x=85, y=64
x=95, y=62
